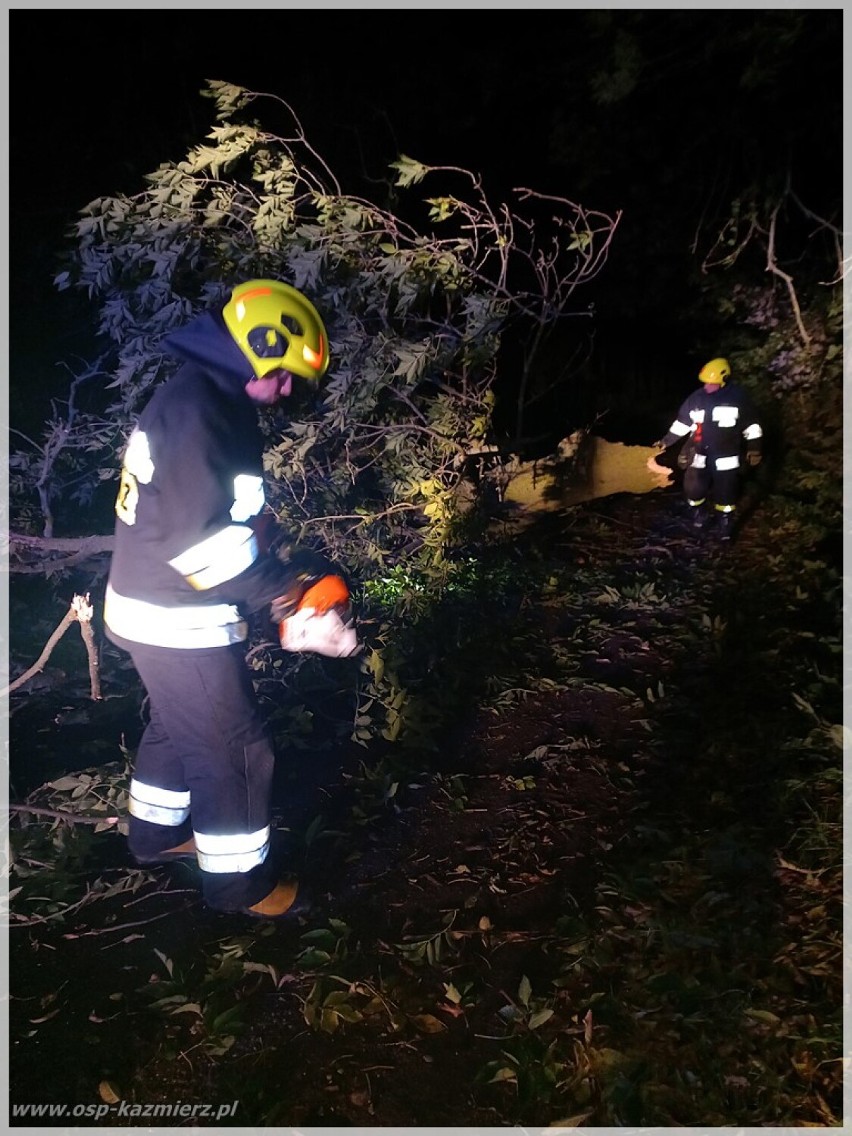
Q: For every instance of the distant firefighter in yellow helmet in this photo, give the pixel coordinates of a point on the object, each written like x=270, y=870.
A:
x=719, y=428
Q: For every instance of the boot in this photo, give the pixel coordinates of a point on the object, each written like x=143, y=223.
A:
x=725, y=528
x=186, y=852
x=279, y=901
x=699, y=515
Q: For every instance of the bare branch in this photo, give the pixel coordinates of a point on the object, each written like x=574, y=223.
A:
x=62, y=814
x=772, y=266
x=33, y=554
x=836, y=236
x=79, y=611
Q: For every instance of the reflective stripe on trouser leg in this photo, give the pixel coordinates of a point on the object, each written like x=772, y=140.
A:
x=159, y=797
x=696, y=482
x=726, y=487
x=237, y=852
x=205, y=704
x=159, y=806
x=721, y=485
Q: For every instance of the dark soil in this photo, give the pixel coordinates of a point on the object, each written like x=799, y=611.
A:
x=502, y=878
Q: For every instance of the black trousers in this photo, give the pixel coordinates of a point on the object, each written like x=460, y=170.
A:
x=723, y=484
x=206, y=745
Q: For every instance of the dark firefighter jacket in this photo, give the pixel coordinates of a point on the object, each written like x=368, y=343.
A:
x=186, y=567
x=719, y=424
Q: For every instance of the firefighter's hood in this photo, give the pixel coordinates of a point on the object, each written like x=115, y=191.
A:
x=206, y=342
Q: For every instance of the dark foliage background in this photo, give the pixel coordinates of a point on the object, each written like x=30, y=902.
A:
x=666, y=115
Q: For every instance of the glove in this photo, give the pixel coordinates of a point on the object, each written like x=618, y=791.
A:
x=754, y=457
x=265, y=528
x=320, y=622
x=283, y=606
x=307, y=568
x=687, y=452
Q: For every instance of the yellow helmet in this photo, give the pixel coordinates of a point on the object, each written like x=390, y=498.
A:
x=274, y=326
x=716, y=372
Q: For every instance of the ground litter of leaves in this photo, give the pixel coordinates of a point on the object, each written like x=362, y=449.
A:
x=583, y=910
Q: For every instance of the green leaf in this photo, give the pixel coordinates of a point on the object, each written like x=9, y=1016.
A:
x=524, y=991
x=763, y=1016
x=504, y=1074
x=428, y=1023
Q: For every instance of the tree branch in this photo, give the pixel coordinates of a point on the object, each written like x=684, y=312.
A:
x=53, y=553
x=80, y=611
x=772, y=266
x=61, y=814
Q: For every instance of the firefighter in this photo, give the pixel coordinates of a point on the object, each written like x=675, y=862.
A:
x=188, y=570
x=715, y=424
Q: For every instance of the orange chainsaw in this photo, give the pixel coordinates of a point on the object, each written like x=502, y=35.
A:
x=322, y=621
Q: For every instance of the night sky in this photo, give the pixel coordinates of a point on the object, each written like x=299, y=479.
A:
x=507, y=94
x=123, y=96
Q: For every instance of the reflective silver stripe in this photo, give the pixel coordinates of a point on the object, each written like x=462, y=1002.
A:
x=197, y=625
x=160, y=806
x=752, y=432
x=725, y=508
x=696, y=415
x=728, y=463
x=137, y=457
x=249, y=497
x=239, y=852
x=218, y=558
x=725, y=416
x=699, y=461
x=680, y=428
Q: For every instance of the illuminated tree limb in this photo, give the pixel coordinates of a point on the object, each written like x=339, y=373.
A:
x=81, y=612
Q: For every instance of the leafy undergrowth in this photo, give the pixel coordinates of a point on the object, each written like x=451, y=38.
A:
x=612, y=896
